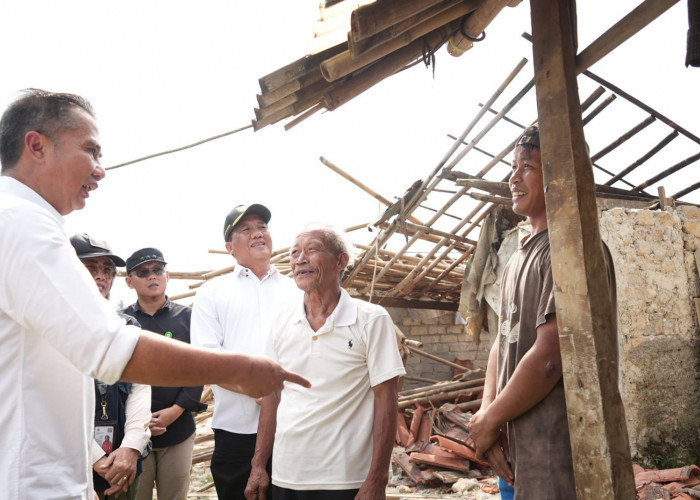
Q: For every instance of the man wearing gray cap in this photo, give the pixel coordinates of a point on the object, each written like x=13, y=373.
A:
x=233, y=313
x=122, y=410
x=172, y=424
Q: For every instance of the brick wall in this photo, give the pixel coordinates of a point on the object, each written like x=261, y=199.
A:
x=440, y=336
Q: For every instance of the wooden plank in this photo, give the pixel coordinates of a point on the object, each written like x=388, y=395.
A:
x=599, y=441
x=623, y=30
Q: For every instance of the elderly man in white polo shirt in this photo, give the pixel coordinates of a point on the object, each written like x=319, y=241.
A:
x=332, y=441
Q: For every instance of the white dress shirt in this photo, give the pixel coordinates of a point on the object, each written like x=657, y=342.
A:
x=138, y=417
x=233, y=313
x=56, y=333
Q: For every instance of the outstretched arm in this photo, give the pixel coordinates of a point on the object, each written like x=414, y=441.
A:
x=158, y=361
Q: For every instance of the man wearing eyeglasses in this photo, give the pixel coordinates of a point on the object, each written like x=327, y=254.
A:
x=172, y=424
x=122, y=410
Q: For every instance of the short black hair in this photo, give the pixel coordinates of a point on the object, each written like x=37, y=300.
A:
x=48, y=113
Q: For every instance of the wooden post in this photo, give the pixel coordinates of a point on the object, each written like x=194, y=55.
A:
x=599, y=441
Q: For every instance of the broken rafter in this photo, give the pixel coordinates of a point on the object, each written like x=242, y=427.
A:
x=663, y=143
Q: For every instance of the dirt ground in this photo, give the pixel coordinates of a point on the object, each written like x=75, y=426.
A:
x=200, y=481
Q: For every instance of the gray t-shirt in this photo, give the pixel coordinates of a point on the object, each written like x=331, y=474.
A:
x=539, y=442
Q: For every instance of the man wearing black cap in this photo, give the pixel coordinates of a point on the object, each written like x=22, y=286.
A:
x=233, y=312
x=122, y=410
x=172, y=424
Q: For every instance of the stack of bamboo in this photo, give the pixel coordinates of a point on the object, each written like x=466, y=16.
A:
x=360, y=43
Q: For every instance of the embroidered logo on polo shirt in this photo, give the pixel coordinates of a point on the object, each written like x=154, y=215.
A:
x=349, y=344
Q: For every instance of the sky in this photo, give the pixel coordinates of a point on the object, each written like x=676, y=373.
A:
x=164, y=74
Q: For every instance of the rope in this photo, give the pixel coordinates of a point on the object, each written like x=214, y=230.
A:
x=179, y=149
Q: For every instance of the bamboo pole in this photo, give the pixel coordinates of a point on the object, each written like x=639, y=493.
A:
x=469, y=405
x=360, y=46
x=644, y=158
x=370, y=19
x=497, y=188
x=608, y=101
x=420, y=233
x=343, y=64
x=324, y=42
x=623, y=138
x=475, y=26
x=361, y=185
x=437, y=389
x=340, y=8
x=499, y=200
x=434, y=357
x=669, y=171
x=377, y=72
x=492, y=123
x=438, y=397
x=382, y=238
x=297, y=69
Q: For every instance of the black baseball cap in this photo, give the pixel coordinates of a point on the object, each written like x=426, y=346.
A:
x=142, y=256
x=87, y=247
x=240, y=211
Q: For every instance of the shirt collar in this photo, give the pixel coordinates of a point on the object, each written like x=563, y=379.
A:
x=344, y=314
x=137, y=306
x=21, y=190
x=245, y=272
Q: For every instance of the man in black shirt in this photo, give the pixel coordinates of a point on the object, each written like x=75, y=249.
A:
x=172, y=425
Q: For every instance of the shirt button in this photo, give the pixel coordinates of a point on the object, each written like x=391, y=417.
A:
x=314, y=338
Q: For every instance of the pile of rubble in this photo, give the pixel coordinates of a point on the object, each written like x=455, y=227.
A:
x=682, y=483
x=432, y=449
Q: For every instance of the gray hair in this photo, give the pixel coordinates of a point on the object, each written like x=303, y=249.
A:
x=48, y=113
x=336, y=239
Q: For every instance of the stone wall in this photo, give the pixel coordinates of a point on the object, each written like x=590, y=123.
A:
x=657, y=281
x=441, y=336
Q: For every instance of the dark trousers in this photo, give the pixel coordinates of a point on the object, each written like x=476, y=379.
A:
x=230, y=463
x=287, y=494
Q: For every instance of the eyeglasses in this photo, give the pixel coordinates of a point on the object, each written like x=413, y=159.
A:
x=145, y=272
x=108, y=271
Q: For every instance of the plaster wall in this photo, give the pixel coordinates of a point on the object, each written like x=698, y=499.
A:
x=657, y=282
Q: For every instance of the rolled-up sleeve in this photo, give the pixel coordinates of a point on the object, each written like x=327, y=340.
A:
x=138, y=417
x=54, y=296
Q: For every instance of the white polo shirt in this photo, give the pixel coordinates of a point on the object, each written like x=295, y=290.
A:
x=56, y=332
x=324, y=436
x=234, y=313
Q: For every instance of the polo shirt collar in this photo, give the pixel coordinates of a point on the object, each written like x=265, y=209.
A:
x=167, y=305
x=344, y=314
x=23, y=191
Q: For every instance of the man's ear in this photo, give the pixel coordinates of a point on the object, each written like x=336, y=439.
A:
x=35, y=145
x=343, y=259
x=229, y=247
x=128, y=283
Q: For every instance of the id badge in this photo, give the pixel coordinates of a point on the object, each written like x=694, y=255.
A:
x=104, y=435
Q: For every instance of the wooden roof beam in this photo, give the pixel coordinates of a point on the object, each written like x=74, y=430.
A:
x=585, y=319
